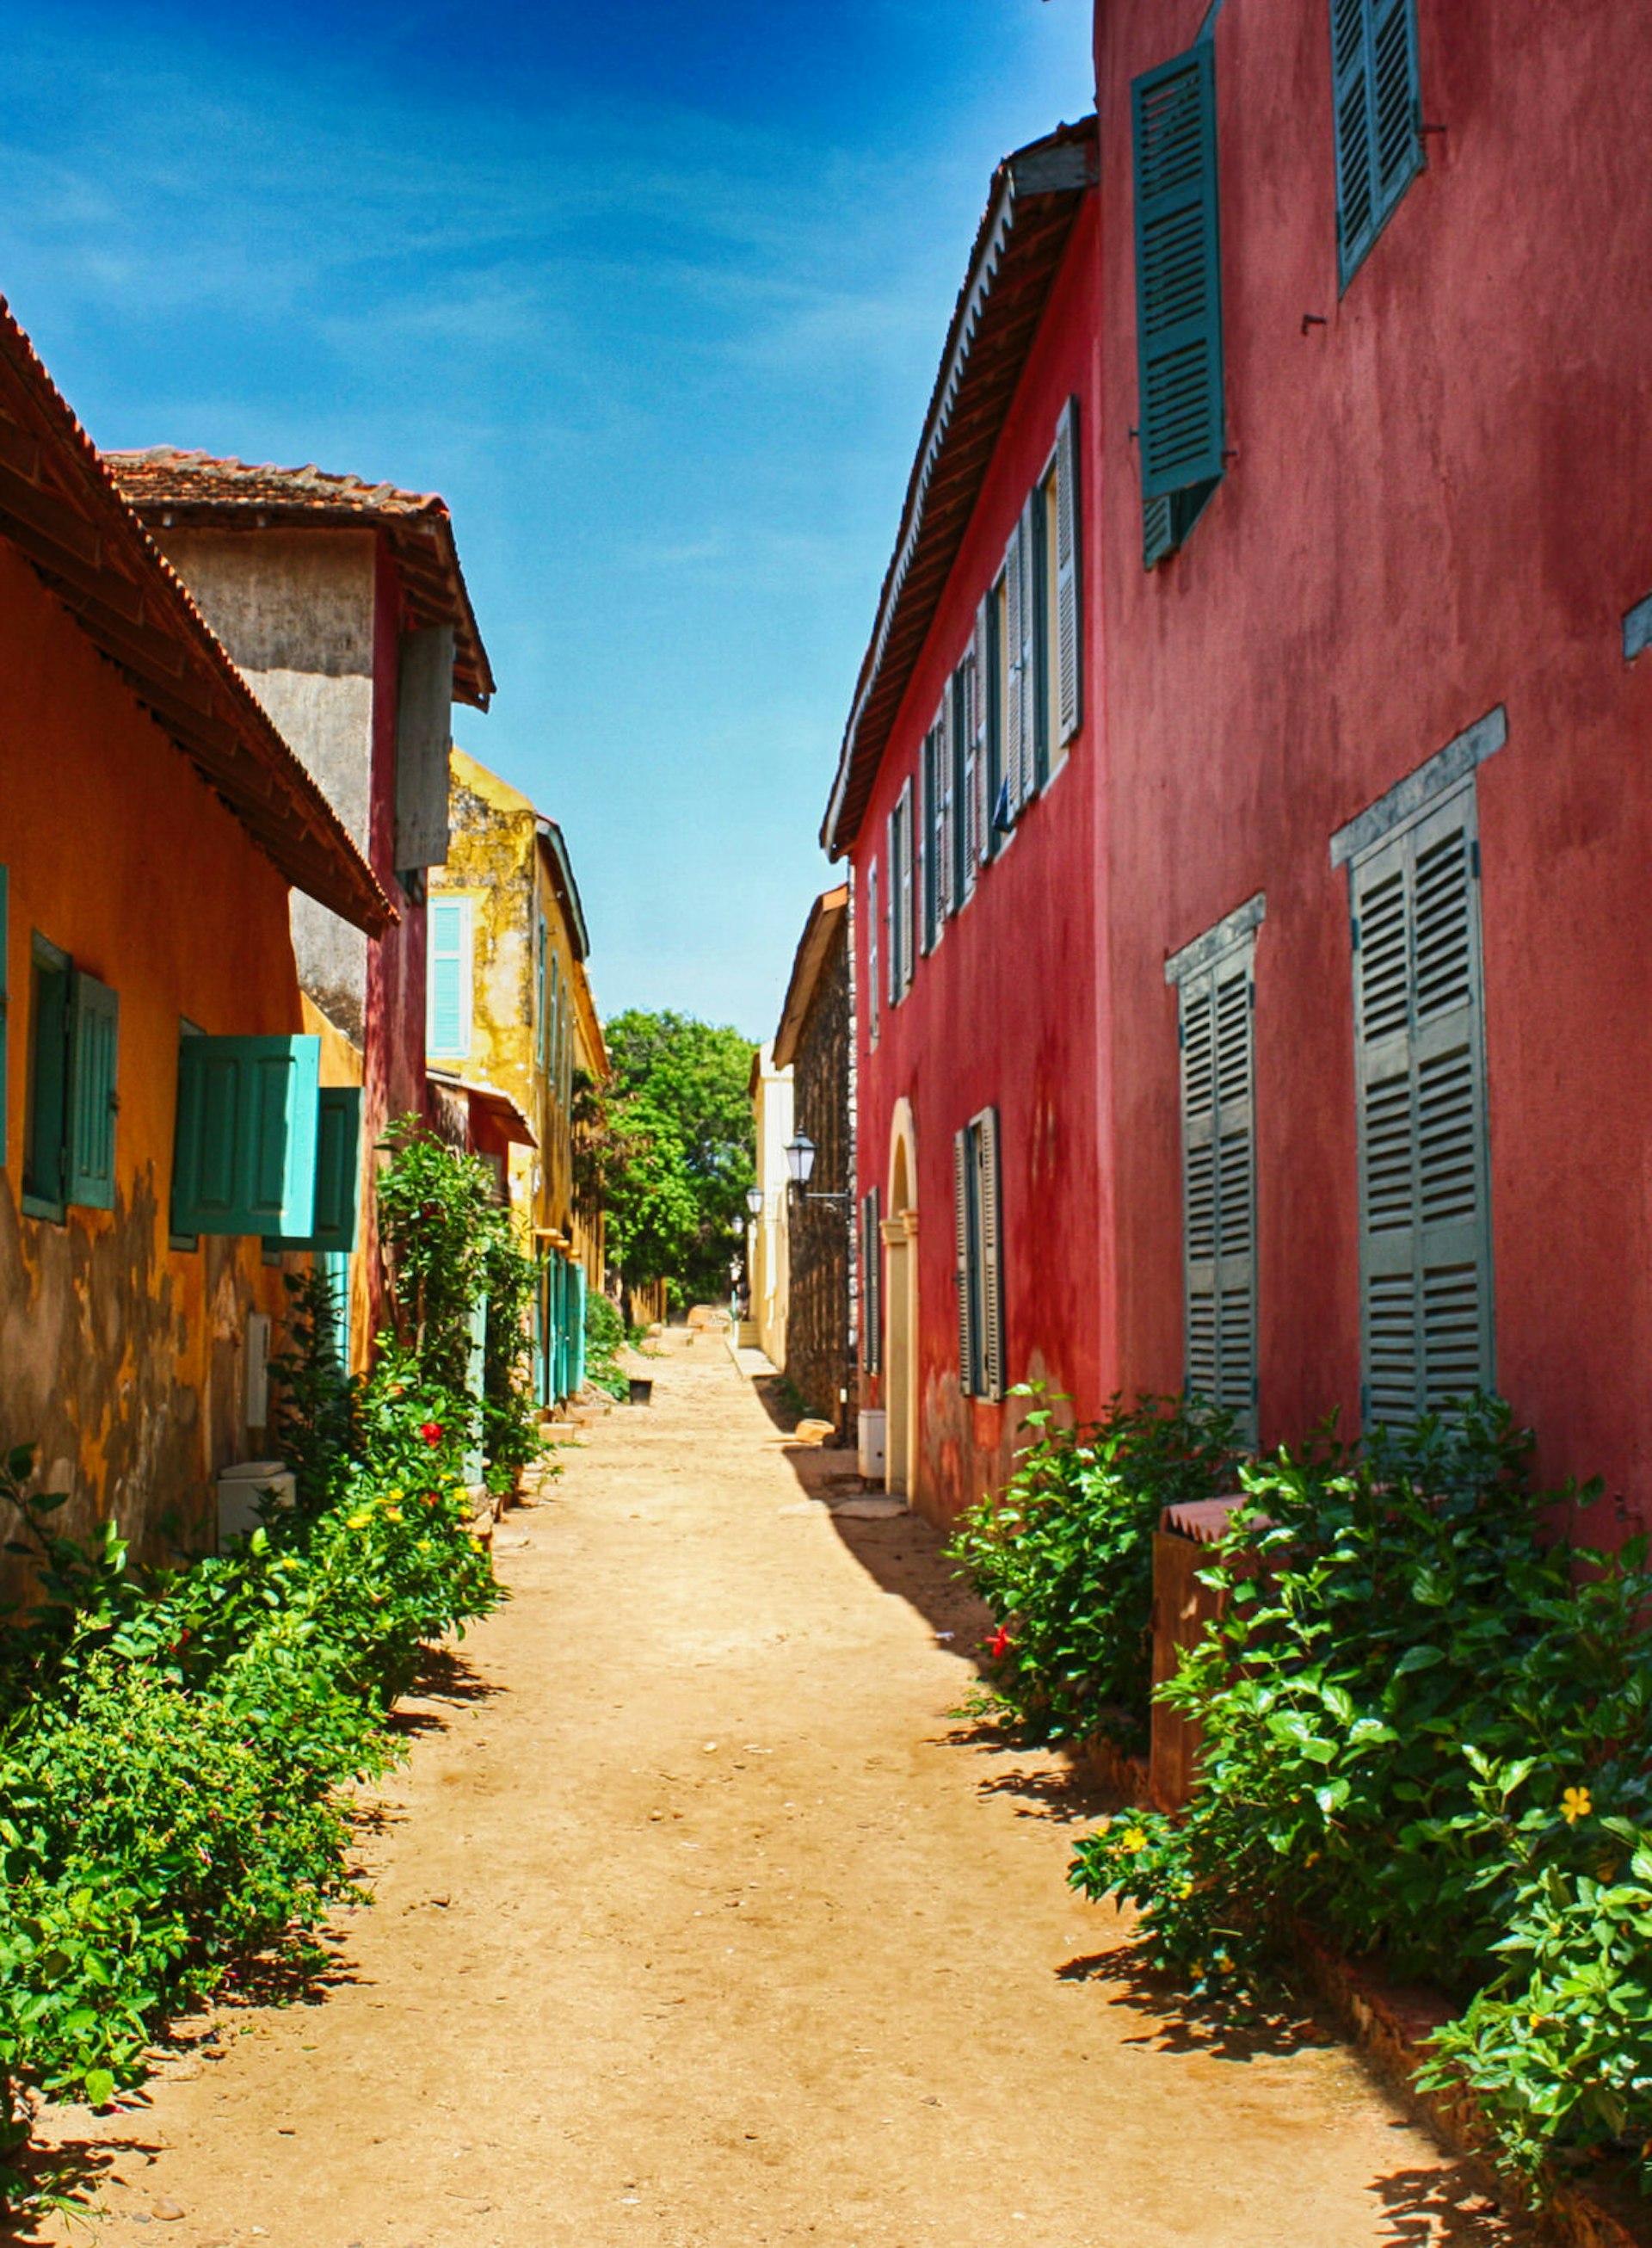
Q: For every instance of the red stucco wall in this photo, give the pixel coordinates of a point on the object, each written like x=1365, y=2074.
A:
x=1437, y=502
x=1005, y=1011
x=124, y=1360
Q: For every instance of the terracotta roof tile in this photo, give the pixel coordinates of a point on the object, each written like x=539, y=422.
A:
x=167, y=485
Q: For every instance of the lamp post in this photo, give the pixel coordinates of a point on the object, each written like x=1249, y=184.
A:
x=755, y=1201
x=800, y=1162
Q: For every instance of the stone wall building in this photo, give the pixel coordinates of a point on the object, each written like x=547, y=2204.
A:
x=813, y=1040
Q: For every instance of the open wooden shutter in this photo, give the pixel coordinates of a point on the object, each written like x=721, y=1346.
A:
x=871, y=1274
x=1178, y=308
x=476, y=1383
x=338, y=1171
x=1379, y=143
x=1218, y=1186
x=990, y=1223
x=964, y=1223
x=973, y=760
x=1014, y=659
x=94, y=1038
x=1025, y=786
x=244, y=1159
x=1424, y=1197
x=1069, y=658
x=945, y=733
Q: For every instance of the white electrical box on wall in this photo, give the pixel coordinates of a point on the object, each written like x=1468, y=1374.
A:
x=871, y=1446
x=242, y=1486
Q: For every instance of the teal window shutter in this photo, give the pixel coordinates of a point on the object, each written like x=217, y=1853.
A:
x=1378, y=118
x=476, y=1380
x=1424, y=1202
x=449, y=1015
x=45, y=1142
x=244, y=1159
x=1179, y=289
x=338, y=1173
x=576, y=1380
x=94, y=1039
x=1218, y=1186
x=333, y=1265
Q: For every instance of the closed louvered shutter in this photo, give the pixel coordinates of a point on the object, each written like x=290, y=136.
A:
x=943, y=847
x=1069, y=683
x=972, y=824
x=1424, y=1201
x=1218, y=1186
x=891, y=919
x=929, y=821
x=989, y=1209
x=1178, y=307
x=1025, y=782
x=871, y=1340
x=1015, y=671
x=963, y=1224
x=1379, y=142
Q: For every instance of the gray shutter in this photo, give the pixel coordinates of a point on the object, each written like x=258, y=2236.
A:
x=1218, y=1186
x=891, y=907
x=943, y=731
x=964, y=1223
x=1026, y=782
x=424, y=736
x=929, y=823
x=992, y=1254
x=1070, y=687
x=975, y=827
x=872, y=1283
x=1425, y=1198
x=1015, y=661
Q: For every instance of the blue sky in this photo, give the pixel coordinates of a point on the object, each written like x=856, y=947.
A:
x=653, y=294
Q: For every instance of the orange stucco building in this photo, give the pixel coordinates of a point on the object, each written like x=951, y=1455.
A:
x=153, y=823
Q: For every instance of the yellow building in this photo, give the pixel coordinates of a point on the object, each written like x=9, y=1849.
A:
x=512, y=1025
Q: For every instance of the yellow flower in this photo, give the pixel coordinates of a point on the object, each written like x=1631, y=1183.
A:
x=1536, y=2021
x=1133, y=1838
x=1575, y=1804
x=1185, y=1889
x=393, y=1514
x=395, y=1493
x=356, y=1521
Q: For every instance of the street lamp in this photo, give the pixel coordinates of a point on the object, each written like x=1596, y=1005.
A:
x=755, y=1201
x=800, y=1162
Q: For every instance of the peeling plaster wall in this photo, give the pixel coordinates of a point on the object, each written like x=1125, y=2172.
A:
x=121, y=1358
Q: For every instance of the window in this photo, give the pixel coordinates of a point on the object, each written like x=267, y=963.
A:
x=1425, y=1249
x=1379, y=137
x=873, y=985
x=1020, y=701
x=871, y=1265
x=994, y=803
x=448, y=1031
x=965, y=829
x=1216, y=996
x=69, y=1125
x=1179, y=295
x=541, y=992
x=1065, y=651
x=980, y=1275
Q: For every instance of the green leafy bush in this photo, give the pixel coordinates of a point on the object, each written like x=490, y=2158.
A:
x=1427, y=1727
x=606, y=1337
x=1063, y=1557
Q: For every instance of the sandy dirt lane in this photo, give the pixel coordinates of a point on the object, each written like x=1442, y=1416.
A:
x=697, y=1925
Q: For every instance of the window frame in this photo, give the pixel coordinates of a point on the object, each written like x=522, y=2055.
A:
x=47, y=960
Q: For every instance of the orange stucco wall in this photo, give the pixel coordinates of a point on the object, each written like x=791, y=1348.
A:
x=122, y=1358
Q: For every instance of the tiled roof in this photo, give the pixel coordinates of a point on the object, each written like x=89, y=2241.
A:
x=167, y=486
x=1033, y=200
x=60, y=509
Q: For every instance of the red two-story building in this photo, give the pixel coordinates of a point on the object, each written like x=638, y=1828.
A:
x=1295, y=1013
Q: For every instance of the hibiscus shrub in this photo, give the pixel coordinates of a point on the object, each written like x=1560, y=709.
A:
x=1427, y=1727
x=1063, y=1557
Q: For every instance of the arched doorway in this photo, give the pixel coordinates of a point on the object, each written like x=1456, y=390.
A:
x=900, y=1308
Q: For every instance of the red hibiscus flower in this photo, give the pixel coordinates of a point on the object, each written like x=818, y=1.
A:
x=1000, y=1644
x=431, y=1431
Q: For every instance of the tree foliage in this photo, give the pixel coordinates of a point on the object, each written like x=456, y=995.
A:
x=670, y=1136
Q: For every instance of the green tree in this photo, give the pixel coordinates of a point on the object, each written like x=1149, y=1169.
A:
x=678, y=1149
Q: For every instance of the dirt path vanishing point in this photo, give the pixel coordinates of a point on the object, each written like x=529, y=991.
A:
x=698, y=1924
